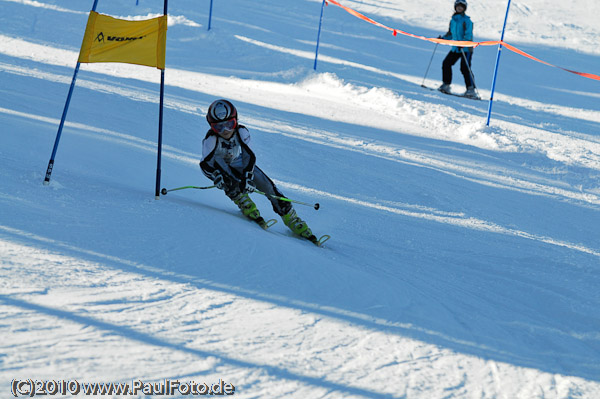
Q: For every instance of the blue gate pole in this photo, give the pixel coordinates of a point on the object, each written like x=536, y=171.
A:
x=160, y=125
x=210, y=14
x=64, y=116
x=496, y=67
x=319, y=35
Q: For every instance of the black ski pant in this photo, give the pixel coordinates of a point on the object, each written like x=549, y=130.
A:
x=266, y=185
x=450, y=60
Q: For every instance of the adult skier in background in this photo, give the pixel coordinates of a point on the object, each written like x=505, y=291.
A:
x=461, y=29
x=230, y=163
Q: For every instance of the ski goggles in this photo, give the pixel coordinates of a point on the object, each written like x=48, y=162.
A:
x=221, y=127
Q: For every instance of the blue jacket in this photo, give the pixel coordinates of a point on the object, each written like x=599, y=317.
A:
x=461, y=28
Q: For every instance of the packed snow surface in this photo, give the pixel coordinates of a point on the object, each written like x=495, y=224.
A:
x=464, y=260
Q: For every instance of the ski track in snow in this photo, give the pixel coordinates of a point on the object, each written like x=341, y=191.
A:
x=480, y=173
x=38, y=4
x=434, y=215
x=509, y=137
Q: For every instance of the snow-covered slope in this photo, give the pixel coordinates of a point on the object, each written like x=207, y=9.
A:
x=464, y=260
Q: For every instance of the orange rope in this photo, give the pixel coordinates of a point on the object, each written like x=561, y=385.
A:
x=459, y=43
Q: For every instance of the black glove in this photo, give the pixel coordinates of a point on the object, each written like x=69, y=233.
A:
x=247, y=185
x=218, y=180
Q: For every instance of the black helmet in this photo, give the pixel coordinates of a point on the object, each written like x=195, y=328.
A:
x=221, y=111
x=463, y=2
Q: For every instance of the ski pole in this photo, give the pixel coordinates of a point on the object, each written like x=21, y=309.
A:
x=427, y=71
x=164, y=191
x=316, y=206
x=469, y=67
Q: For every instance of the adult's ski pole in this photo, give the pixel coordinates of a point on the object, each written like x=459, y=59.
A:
x=469, y=67
x=427, y=70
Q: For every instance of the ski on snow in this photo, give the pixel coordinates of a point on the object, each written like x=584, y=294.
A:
x=318, y=241
x=265, y=224
x=453, y=94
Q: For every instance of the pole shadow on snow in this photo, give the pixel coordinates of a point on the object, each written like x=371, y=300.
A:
x=579, y=365
x=135, y=335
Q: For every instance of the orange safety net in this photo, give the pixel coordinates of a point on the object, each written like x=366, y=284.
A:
x=458, y=43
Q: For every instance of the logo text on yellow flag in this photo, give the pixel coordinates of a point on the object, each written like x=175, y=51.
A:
x=109, y=39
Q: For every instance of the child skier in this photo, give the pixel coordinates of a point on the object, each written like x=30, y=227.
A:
x=230, y=163
x=461, y=29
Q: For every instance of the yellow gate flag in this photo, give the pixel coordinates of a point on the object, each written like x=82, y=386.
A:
x=109, y=39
